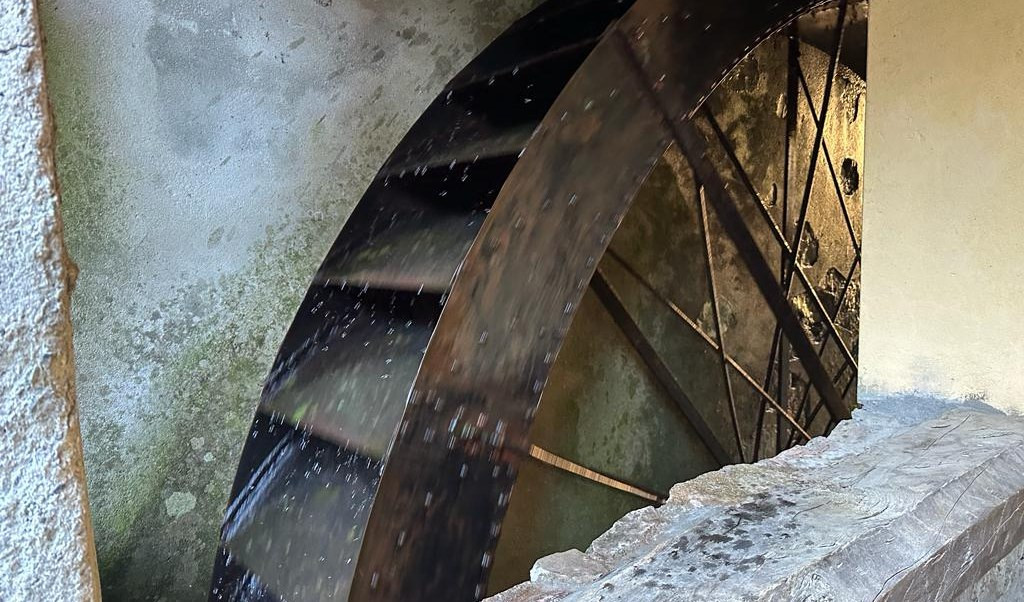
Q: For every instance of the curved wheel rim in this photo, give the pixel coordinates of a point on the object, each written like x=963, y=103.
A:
x=434, y=469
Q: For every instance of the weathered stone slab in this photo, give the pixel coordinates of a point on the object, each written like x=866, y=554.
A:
x=878, y=511
x=1004, y=582
x=46, y=550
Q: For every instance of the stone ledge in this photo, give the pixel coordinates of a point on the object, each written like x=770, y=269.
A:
x=882, y=510
x=46, y=550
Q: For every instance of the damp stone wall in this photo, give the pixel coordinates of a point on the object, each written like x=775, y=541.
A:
x=209, y=153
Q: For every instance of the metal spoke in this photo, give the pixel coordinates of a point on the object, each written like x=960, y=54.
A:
x=780, y=352
x=662, y=298
x=780, y=347
x=790, y=257
x=695, y=148
x=765, y=396
x=792, y=261
x=820, y=122
x=854, y=239
x=819, y=135
x=613, y=303
x=703, y=224
x=792, y=62
x=788, y=253
x=782, y=390
x=761, y=413
x=545, y=457
x=824, y=341
x=846, y=391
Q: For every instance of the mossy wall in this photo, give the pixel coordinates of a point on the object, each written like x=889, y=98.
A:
x=209, y=152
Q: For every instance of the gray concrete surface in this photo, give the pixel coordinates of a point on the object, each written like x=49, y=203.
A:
x=209, y=153
x=46, y=550
x=881, y=510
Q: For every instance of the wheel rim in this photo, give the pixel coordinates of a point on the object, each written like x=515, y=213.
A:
x=422, y=447
x=644, y=346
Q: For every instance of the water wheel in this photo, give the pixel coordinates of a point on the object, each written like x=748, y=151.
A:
x=619, y=250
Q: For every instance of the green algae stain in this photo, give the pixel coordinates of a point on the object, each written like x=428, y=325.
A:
x=210, y=388
x=205, y=362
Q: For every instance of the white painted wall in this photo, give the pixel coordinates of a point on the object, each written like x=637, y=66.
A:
x=943, y=281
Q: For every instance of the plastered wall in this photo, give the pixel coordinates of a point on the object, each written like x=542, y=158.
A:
x=943, y=281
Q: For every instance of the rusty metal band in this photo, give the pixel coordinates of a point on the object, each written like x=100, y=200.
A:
x=545, y=457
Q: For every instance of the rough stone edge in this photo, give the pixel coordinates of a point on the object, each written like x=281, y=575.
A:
x=1004, y=582
x=46, y=539
x=979, y=515
x=1002, y=527
x=949, y=569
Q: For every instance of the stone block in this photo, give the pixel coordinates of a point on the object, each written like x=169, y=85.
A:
x=887, y=508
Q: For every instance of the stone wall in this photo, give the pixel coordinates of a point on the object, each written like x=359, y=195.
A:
x=46, y=550
x=209, y=153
